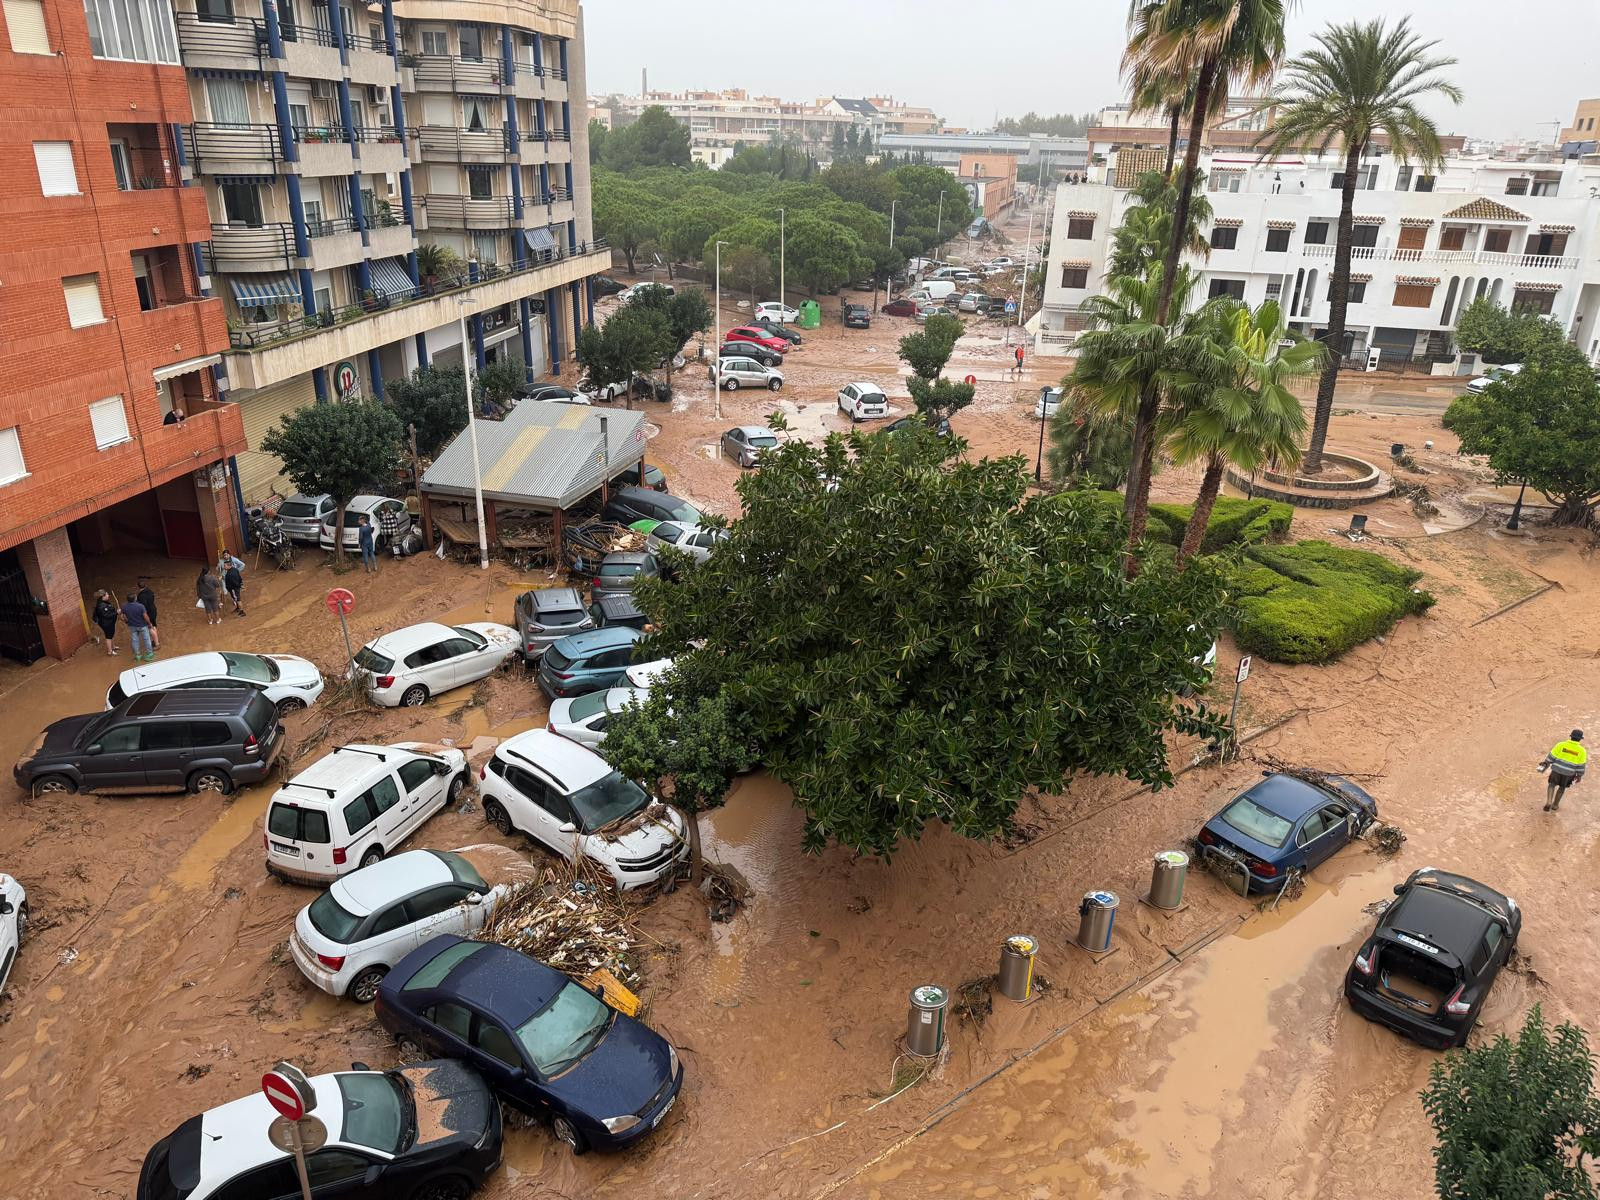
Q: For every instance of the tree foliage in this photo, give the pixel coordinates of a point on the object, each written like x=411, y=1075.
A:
x=1516, y=1120
x=624, y=215
x=748, y=270
x=927, y=350
x=501, y=382
x=1006, y=651
x=632, y=341
x=1141, y=237
x=824, y=254
x=598, y=132
x=1069, y=125
x=683, y=314
x=1486, y=329
x=655, y=139
x=939, y=399
x=341, y=449
x=434, y=399
x=1089, y=448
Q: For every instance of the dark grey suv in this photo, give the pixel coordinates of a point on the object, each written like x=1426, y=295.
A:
x=197, y=740
x=630, y=504
x=546, y=615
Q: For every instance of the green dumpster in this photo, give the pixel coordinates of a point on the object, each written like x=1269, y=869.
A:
x=810, y=315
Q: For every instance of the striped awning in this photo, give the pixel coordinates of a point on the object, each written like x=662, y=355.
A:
x=1537, y=286
x=256, y=291
x=390, y=277
x=540, y=240
x=1228, y=222
x=226, y=179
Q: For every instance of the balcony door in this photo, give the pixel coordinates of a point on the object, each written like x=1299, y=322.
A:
x=228, y=101
x=471, y=43
x=241, y=204
x=220, y=11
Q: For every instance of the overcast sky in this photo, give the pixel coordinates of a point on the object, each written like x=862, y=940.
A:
x=1522, y=65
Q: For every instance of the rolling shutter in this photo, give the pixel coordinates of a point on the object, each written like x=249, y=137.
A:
x=11, y=464
x=57, y=175
x=83, y=300
x=110, y=421
x=25, y=24
x=261, y=474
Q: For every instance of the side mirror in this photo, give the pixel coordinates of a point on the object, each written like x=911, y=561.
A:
x=5, y=907
x=1399, y=889
x=359, y=1066
x=569, y=827
x=94, y=749
x=441, y=768
x=516, y=1075
x=474, y=897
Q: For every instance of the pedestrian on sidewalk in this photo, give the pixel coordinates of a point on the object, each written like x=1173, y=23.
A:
x=233, y=581
x=1566, y=764
x=105, y=616
x=138, y=623
x=1019, y=362
x=366, y=537
x=147, y=598
x=208, y=590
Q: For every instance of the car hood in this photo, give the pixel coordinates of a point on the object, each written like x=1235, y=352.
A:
x=1351, y=791
x=452, y=1100
x=620, y=1075
x=642, y=833
x=61, y=735
x=294, y=671
x=450, y=754
x=502, y=636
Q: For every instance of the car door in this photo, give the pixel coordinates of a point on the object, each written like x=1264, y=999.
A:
x=394, y=816
x=388, y=938
x=117, y=763
x=164, y=746
x=535, y=818
x=430, y=666
x=446, y=1030
x=499, y=1058
x=609, y=666
x=847, y=399
x=425, y=790
x=439, y=910
x=337, y=1171
x=474, y=657
x=1323, y=833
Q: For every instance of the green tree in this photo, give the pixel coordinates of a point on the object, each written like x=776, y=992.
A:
x=631, y=342
x=683, y=230
x=927, y=350
x=501, y=382
x=341, y=449
x=748, y=270
x=754, y=233
x=597, y=139
x=986, y=600
x=434, y=399
x=1516, y=1120
x=655, y=139
x=823, y=253
x=1060, y=125
x=683, y=315
x=1089, y=448
x=939, y=399
x=1141, y=238
x=1540, y=428
x=623, y=215
x=1498, y=336
x=861, y=183
x=1364, y=78
x=919, y=188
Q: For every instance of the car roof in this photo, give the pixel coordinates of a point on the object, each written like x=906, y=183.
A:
x=634, y=492
x=628, y=556
x=234, y=1135
x=1288, y=797
x=364, y=503
x=557, y=597
x=619, y=606
x=753, y=430
x=389, y=879
x=591, y=640
x=412, y=637
x=340, y=769
x=501, y=982
x=192, y=702
x=205, y=665
x=317, y=499
x=864, y=386
x=563, y=759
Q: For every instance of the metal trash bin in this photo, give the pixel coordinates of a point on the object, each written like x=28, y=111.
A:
x=925, y=1021
x=1016, y=967
x=1096, y=915
x=1167, y=879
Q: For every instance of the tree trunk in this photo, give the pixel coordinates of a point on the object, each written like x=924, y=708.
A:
x=691, y=821
x=1338, y=305
x=1139, y=509
x=1172, y=139
x=338, y=534
x=628, y=252
x=1195, y=533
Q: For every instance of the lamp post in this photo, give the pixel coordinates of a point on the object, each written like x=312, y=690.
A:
x=716, y=362
x=1044, y=412
x=892, y=203
x=939, y=228
x=783, y=291
x=1516, y=511
x=472, y=434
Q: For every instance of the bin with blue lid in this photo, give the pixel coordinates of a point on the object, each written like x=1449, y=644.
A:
x=1096, y=915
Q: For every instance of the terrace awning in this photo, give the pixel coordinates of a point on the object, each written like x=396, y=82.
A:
x=259, y=291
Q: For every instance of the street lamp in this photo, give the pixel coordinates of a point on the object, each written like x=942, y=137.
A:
x=467, y=364
x=716, y=350
x=1044, y=412
x=939, y=230
x=892, y=203
x=783, y=292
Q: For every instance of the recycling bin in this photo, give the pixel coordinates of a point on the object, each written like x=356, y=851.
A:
x=1096, y=915
x=925, y=1020
x=1167, y=879
x=1016, y=967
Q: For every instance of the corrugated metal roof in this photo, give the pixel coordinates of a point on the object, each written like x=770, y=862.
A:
x=544, y=455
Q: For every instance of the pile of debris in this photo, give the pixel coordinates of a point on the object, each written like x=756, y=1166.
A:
x=575, y=923
x=584, y=545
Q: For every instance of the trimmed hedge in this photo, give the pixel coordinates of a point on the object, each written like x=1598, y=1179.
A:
x=1233, y=521
x=1313, y=601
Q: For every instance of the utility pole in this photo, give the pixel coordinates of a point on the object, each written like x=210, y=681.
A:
x=783, y=291
x=716, y=350
x=939, y=231
x=472, y=431
x=892, y=203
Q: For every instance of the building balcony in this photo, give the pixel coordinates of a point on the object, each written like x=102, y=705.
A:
x=462, y=212
x=543, y=83
x=218, y=149
x=446, y=72
x=252, y=248
x=190, y=328
x=221, y=44
x=335, y=243
x=556, y=143
x=393, y=239
x=210, y=432
x=153, y=213
x=1487, y=258
x=324, y=150
x=383, y=149
x=445, y=143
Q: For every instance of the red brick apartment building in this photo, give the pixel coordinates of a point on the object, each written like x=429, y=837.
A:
x=108, y=334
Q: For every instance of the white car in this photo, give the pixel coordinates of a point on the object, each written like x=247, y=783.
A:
x=289, y=681
x=735, y=373
x=694, y=540
x=346, y=940
x=1047, y=403
x=1002, y=263
x=583, y=719
x=861, y=401
x=13, y=924
x=409, y=665
x=371, y=507
x=570, y=800
x=643, y=675
x=629, y=293
x=771, y=310
x=1493, y=375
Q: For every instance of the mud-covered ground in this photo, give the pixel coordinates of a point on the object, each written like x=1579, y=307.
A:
x=1211, y=1054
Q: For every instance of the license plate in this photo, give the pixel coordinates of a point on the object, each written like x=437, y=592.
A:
x=661, y=1116
x=293, y=851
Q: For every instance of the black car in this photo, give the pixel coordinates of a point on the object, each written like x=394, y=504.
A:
x=618, y=610
x=630, y=504
x=1427, y=968
x=652, y=478
x=911, y=421
x=197, y=740
x=764, y=355
x=992, y=306
x=604, y=285
x=857, y=316
x=546, y=391
x=779, y=331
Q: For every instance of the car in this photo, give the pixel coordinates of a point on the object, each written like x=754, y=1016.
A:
x=744, y=443
x=550, y=392
x=346, y=940
x=764, y=356
x=587, y=662
x=697, y=541
x=632, y=503
x=857, y=316
x=409, y=665
x=926, y=309
x=544, y=616
x=641, y=387
x=371, y=507
x=861, y=401
x=652, y=477
x=645, y=674
x=1000, y=263
x=604, y=285
x=1281, y=825
x=779, y=330
x=431, y=1129
x=302, y=516
x=731, y=374
x=902, y=307
x=992, y=306
x=199, y=740
x=914, y=420
x=627, y=294
x=952, y=273
x=583, y=719
x=290, y=682
x=13, y=924
x=1427, y=968
x=758, y=335
x=775, y=311
x=618, y=570
x=1493, y=375
x=941, y=289
x=1048, y=403
x=611, y=611
x=974, y=302
x=356, y=804
x=567, y=798
x=550, y=1047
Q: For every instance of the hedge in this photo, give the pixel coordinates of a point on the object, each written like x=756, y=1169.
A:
x=1313, y=601
x=1233, y=521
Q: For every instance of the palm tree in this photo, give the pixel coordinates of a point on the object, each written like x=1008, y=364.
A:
x=1141, y=237
x=1239, y=408
x=1361, y=80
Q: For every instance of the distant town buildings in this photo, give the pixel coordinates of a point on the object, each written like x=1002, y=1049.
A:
x=945, y=149
x=990, y=181
x=717, y=119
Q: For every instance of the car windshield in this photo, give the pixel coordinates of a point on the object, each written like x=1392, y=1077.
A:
x=564, y=1030
x=1250, y=819
x=252, y=668
x=555, y=660
x=297, y=508
x=332, y=919
x=376, y=1111
x=607, y=800
x=586, y=706
x=687, y=513
x=620, y=568
x=369, y=659
x=477, y=639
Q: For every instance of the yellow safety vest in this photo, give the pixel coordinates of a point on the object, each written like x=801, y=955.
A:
x=1571, y=753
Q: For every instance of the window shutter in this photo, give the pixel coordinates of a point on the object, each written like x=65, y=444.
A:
x=110, y=420
x=57, y=175
x=83, y=300
x=10, y=455
x=25, y=24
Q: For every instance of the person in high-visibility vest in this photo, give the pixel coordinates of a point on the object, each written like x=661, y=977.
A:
x=1566, y=763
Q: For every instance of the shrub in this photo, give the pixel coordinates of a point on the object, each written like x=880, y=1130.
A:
x=1233, y=522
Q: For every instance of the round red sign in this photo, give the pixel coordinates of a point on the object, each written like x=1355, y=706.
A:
x=283, y=1095
x=972, y=380
x=341, y=600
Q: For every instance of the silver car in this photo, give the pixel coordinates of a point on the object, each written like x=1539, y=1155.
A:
x=744, y=443
x=583, y=719
x=694, y=540
x=302, y=516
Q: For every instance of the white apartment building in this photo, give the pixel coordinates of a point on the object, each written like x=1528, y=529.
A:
x=718, y=120
x=1522, y=234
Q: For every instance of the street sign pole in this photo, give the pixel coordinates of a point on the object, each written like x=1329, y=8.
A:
x=294, y=1131
x=1233, y=714
x=299, y=1144
x=341, y=601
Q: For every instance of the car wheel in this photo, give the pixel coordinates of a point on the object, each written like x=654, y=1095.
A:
x=409, y=1051
x=496, y=815
x=448, y=1187
x=415, y=696
x=774, y=384
x=289, y=705
x=732, y=385
x=363, y=988
x=372, y=856
x=53, y=785
x=212, y=779
x=22, y=921
x=568, y=1133
x=457, y=786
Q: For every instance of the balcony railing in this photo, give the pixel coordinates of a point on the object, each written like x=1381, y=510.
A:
x=254, y=337
x=254, y=242
x=240, y=36
x=209, y=141
x=446, y=68
x=462, y=212
x=548, y=135
x=447, y=139
x=316, y=35
x=553, y=196
x=332, y=228
x=379, y=133
x=1489, y=258
x=321, y=135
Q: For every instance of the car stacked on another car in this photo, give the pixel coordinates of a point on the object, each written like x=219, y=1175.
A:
x=584, y=719
x=633, y=503
x=544, y=616
x=608, y=612
x=290, y=682
x=1283, y=824
x=744, y=443
x=863, y=401
x=411, y=664
x=697, y=541
x=587, y=662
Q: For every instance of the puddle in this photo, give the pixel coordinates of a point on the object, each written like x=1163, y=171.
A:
x=238, y=821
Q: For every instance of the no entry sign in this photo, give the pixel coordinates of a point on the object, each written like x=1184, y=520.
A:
x=341, y=601
x=288, y=1091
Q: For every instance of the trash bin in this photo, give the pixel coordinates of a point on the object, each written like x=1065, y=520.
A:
x=1166, y=881
x=810, y=315
x=925, y=1021
x=1096, y=915
x=1358, y=523
x=1016, y=967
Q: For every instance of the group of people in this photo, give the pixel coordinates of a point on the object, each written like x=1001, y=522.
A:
x=227, y=577
x=138, y=612
x=367, y=537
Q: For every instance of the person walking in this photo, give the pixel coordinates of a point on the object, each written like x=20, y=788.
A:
x=1019, y=362
x=389, y=526
x=233, y=581
x=138, y=623
x=105, y=616
x=1566, y=764
x=208, y=590
x=366, y=537
x=147, y=597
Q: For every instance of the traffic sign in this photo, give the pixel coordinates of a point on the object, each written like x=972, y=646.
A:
x=971, y=381
x=1011, y=307
x=1244, y=668
x=341, y=601
x=288, y=1091
x=312, y=1134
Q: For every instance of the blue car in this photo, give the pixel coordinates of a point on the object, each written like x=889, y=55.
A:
x=587, y=662
x=1283, y=824
x=547, y=1045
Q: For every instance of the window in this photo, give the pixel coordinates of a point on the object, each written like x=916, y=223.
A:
x=1358, y=292
x=435, y=901
x=1517, y=186
x=1080, y=228
x=1498, y=241
x=1277, y=240
x=209, y=733
x=453, y=1019
x=1413, y=295
x=228, y=101
x=384, y=794
x=358, y=814
x=414, y=774
x=214, y=10
x=134, y=30
x=475, y=110
x=485, y=248
x=480, y=183
x=329, y=1167
x=83, y=300
x=1074, y=277
x=1227, y=287
x=471, y=43
x=142, y=283
x=11, y=465
x=1225, y=181
x=241, y=204
x=1424, y=183
x=122, y=166
x=1366, y=178
x=392, y=918
x=25, y=23
x=440, y=965
x=434, y=41
x=1224, y=237
x=166, y=735
x=1316, y=233
x=300, y=117
x=1540, y=302
x=1364, y=235
x=1402, y=179
x=121, y=739
x=57, y=175
x=497, y=1043
x=1453, y=239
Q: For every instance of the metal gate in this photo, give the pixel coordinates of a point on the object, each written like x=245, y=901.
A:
x=19, y=625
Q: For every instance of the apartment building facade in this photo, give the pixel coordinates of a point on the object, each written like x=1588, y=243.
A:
x=1426, y=245
x=1064, y=155
x=720, y=119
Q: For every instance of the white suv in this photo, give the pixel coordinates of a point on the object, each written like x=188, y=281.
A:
x=355, y=805
x=736, y=373
x=290, y=682
x=863, y=400
x=569, y=799
x=772, y=310
x=371, y=507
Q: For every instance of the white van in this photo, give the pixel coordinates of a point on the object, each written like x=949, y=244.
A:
x=938, y=289
x=355, y=805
